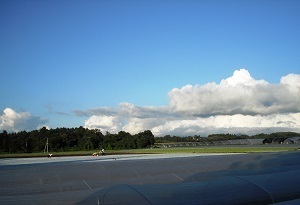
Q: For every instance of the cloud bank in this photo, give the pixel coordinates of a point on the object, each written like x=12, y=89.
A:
x=239, y=94
x=238, y=104
x=13, y=121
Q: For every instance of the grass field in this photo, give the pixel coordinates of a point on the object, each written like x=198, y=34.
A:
x=175, y=150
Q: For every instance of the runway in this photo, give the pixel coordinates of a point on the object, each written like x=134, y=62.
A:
x=103, y=180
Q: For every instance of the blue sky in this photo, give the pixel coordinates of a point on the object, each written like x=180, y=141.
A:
x=77, y=63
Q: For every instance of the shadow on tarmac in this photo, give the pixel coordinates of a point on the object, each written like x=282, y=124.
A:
x=266, y=179
x=262, y=178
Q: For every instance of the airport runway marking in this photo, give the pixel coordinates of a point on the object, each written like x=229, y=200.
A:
x=137, y=174
x=61, y=189
x=177, y=176
x=186, y=170
x=87, y=184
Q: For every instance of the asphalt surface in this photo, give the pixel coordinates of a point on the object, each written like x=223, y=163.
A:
x=88, y=180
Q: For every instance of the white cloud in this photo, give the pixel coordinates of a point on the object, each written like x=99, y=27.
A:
x=239, y=94
x=234, y=124
x=127, y=117
x=13, y=121
x=241, y=77
x=238, y=104
x=136, y=125
x=104, y=123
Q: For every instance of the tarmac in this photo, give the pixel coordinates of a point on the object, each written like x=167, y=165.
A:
x=152, y=179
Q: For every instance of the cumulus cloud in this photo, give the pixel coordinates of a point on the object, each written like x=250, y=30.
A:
x=13, y=121
x=127, y=117
x=239, y=94
x=235, y=124
x=105, y=123
x=238, y=104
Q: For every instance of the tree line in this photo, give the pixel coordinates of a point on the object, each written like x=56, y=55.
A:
x=72, y=139
x=77, y=139
x=219, y=137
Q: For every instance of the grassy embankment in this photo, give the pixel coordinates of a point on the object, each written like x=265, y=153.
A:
x=183, y=150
